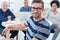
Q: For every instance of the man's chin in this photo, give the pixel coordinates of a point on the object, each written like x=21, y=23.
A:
x=35, y=16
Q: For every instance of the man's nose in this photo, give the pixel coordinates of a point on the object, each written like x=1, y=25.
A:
x=36, y=10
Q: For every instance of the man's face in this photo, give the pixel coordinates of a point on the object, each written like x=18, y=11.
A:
x=36, y=9
x=5, y=5
x=26, y=4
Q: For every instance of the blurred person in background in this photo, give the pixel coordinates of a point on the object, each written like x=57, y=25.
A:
x=25, y=8
x=54, y=16
x=5, y=15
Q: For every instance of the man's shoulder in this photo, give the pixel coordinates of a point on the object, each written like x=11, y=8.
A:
x=8, y=9
x=45, y=22
x=22, y=9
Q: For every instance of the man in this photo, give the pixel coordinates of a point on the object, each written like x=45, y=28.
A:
x=5, y=15
x=25, y=8
x=36, y=27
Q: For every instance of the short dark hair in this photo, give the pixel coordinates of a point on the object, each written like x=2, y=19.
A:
x=38, y=1
x=57, y=3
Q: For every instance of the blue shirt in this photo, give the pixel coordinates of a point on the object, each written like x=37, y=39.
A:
x=39, y=30
x=4, y=15
x=23, y=9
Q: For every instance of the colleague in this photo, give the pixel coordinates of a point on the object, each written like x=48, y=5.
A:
x=25, y=8
x=36, y=27
x=53, y=15
x=5, y=15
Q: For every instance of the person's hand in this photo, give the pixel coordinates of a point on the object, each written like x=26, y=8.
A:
x=34, y=39
x=5, y=31
x=9, y=17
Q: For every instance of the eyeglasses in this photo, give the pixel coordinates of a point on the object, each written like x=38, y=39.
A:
x=36, y=8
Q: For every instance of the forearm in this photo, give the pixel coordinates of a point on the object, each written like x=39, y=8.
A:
x=17, y=27
x=13, y=27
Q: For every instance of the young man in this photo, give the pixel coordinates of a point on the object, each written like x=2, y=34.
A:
x=5, y=15
x=36, y=27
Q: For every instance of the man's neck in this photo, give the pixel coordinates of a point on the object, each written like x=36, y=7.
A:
x=4, y=10
x=26, y=7
x=38, y=19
